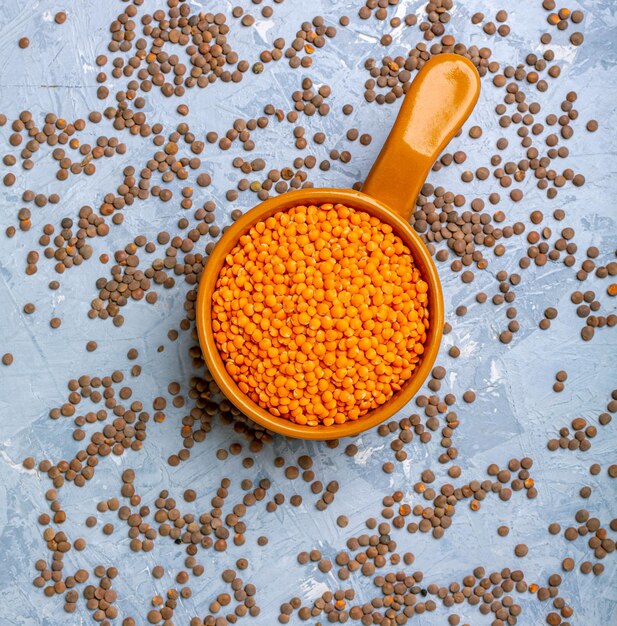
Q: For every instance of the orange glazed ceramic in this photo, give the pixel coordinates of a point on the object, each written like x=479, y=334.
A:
x=439, y=101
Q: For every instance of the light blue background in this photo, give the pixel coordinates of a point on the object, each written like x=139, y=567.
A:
x=516, y=410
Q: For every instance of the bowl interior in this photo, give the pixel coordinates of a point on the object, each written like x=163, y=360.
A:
x=422, y=259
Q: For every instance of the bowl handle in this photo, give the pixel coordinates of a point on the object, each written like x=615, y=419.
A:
x=440, y=99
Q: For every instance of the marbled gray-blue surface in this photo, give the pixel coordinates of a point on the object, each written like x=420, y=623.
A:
x=516, y=410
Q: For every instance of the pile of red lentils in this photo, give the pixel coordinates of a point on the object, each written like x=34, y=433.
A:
x=320, y=315
x=207, y=537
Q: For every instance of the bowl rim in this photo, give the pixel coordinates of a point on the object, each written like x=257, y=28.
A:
x=210, y=274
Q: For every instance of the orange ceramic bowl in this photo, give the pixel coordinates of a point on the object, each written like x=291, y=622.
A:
x=439, y=101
